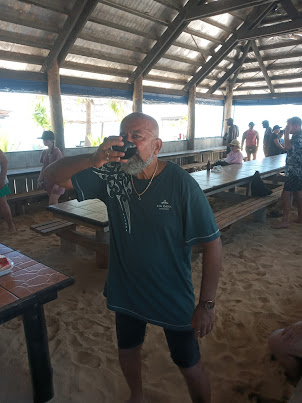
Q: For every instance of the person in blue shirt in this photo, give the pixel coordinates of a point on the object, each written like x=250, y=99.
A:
x=157, y=212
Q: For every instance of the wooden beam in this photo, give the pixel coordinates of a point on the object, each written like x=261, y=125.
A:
x=109, y=42
x=278, y=56
x=168, y=4
x=221, y=7
x=228, y=105
x=273, y=78
x=272, y=30
x=73, y=25
x=202, y=36
x=162, y=79
x=21, y=57
x=26, y=40
x=35, y=24
x=232, y=70
x=53, y=5
x=262, y=66
x=276, y=95
x=56, y=113
x=191, y=118
x=137, y=105
x=286, y=44
x=166, y=40
x=290, y=9
x=124, y=28
x=62, y=38
x=273, y=66
x=96, y=54
x=134, y=12
x=92, y=68
x=253, y=20
x=277, y=86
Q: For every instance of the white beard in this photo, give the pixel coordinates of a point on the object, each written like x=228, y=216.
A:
x=136, y=165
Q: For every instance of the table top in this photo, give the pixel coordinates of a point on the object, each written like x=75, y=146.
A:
x=187, y=153
x=27, y=281
x=236, y=174
x=93, y=213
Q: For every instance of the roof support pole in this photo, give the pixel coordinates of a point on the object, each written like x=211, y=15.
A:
x=54, y=94
x=191, y=118
x=88, y=122
x=228, y=105
x=137, y=105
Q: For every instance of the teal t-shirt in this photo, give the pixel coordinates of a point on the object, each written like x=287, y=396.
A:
x=149, y=274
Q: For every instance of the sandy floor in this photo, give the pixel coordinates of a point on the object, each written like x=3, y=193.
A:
x=259, y=291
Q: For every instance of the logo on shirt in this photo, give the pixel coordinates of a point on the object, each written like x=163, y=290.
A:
x=164, y=205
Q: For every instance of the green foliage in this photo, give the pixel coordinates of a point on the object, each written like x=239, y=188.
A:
x=118, y=107
x=5, y=144
x=95, y=141
x=40, y=115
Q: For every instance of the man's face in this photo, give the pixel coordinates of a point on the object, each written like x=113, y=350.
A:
x=141, y=132
x=229, y=122
x=277, y=131
x=264, y=125
x=293, y=129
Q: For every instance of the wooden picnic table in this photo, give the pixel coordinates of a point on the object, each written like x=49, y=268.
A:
x=24, y=291
x=202, y=154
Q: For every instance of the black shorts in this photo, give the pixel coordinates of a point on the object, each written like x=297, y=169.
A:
x=293, y=183
x=183, y=346
x=251, y=149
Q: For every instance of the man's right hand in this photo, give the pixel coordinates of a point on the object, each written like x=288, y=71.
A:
x=105, y=154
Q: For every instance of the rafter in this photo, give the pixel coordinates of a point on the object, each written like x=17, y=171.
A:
x=253, y=20
x=272, y=30
x=54, y=5
x=220, y=7
x=262, y=66
x=73, y=25
x=232, y=70
x=161, y=46
x=290, y=9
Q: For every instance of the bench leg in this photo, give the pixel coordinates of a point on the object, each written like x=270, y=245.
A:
x=68, y=246
x=38, y=353
x=260, y=215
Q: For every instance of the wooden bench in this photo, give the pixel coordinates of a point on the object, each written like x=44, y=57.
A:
x=52, y=227
x=18, y=202
x=230, y=215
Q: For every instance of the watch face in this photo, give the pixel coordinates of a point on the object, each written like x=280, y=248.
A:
x=209, y=305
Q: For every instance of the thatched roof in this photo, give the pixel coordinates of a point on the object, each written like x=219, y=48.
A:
x=173, y=44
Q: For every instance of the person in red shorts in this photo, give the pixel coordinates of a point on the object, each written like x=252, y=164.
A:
x=251, y=137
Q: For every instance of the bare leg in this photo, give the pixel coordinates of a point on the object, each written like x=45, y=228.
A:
x=254, y=156
x=299, y=202
x=53, y=199
x=130, y=360
x=280, y=351
x=287, y=201
x=198, y=383
x=6, y=213
x=249, y=157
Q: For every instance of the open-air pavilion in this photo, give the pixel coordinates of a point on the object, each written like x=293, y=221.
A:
x=224, y=52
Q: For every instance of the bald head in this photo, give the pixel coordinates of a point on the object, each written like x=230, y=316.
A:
x=138, y=116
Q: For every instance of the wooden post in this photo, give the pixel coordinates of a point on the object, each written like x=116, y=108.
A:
x=88, y=122
x=228, y=105
x=191, y=118
x=138, y=95
x=54, y=93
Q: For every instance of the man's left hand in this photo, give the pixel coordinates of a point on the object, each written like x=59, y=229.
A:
x=203, y=321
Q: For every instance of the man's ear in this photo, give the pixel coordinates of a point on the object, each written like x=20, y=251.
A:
x=158, y=146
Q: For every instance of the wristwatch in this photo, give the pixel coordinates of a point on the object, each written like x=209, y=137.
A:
x=208, y=305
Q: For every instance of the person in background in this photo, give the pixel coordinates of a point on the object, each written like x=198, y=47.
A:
x=267, y=135
x=4, y=191
x=274, y=146
x=286, y=346
x=49, y=156
x=293, y=171
x=231, y=134
x=251, y=137
x=234, y=156
x=281, y=139
x=157, y=212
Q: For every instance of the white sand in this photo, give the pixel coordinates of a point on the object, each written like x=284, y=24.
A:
x=259, y=291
